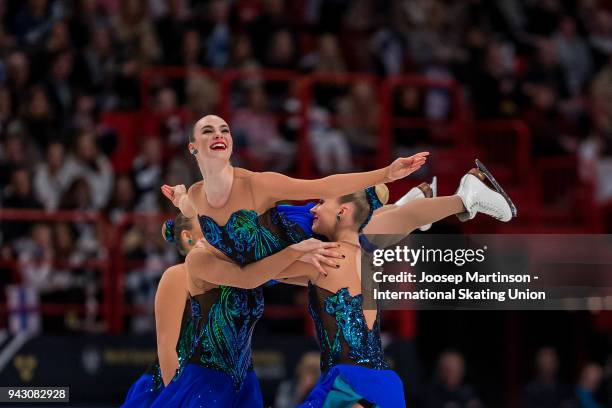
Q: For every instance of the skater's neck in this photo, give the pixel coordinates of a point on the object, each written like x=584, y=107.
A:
x=219, y=178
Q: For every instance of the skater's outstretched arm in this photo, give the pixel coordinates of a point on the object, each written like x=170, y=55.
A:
x=280, y=187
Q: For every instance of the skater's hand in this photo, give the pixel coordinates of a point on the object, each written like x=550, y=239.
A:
x=404, y=166
x=318, y=253
x=174, y=193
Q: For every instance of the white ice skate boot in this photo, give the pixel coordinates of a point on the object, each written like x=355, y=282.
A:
x=423, y=190
x=477, y=196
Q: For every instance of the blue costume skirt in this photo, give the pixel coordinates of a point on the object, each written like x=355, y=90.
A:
x=344, y=385
x=203, y=387
x=141, y=393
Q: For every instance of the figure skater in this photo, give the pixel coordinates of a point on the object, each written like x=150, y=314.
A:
x=354, y=370
x=236, y=211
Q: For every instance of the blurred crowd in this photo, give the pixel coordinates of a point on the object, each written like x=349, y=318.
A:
x=449, y=385
x=65, y=64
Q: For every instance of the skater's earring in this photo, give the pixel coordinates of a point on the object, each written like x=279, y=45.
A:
x=338, y=217
x=194, y=151
x=190, y=241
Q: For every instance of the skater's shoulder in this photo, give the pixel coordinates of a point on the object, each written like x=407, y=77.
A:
x=174, y=275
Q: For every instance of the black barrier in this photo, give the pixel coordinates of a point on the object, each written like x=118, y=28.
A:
x=99, y=369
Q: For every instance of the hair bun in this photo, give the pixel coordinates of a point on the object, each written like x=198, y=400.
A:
x=382, y=192
x=168, y=230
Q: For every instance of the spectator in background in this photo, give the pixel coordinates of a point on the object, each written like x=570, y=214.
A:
x=590, y=379
x=546, y=123
x=172, y=121
x=146, y=172
x=38, y=118
x=218, y=40
x=79, y=197
x=137, y=47
x=545, y=391
x=36, y=257
x=13, y=153
x=293, y=392
x=192, y=52
x=241, y=54
x=269, y=21
x=59, y=88
x=95, y=168
x=494, y=88
x=123, y=198
x=144, y=242
x=202, y=95
x=600, y=28
x=574, y=56
x=84, y=116
x=327, y=59
x=331, y=150
x=358, y=118
x=53, y=177
x=97, y=67
x=6, y=109
x=6, y=39
x=546, y=70
x=33, y=22
x=281, y=51
x=409, y=104
x=132, y=26
x=170, y=28
x=84, y=18
x=59, y=38
x=448, y=387
x=17, y=74
x=256, y=127
x=18, y=195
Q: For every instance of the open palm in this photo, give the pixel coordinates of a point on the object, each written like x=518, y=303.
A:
x=404, y=166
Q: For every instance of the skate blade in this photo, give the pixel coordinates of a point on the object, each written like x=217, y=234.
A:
x=497, y=187
x=434, y=186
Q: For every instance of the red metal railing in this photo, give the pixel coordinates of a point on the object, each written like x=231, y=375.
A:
x=103, y=264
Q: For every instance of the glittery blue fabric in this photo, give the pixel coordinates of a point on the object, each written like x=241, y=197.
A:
x=342, y=330
x=149, y=386
x=345, y=385
x=222, y=337
x=248, y=237
x=352, y=361
x=224, y=318
x=143, y=392
x=374, y=203
x=202, y=387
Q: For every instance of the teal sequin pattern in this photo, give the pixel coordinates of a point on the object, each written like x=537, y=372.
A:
x=184, y=346
x=224, y=318
x=247, y=237
x=343, y=334
x=222, y=338
x=156, y=382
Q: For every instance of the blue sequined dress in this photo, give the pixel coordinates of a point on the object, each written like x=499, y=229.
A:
x=147, y=388
x=219, y=369
x=353, y=366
